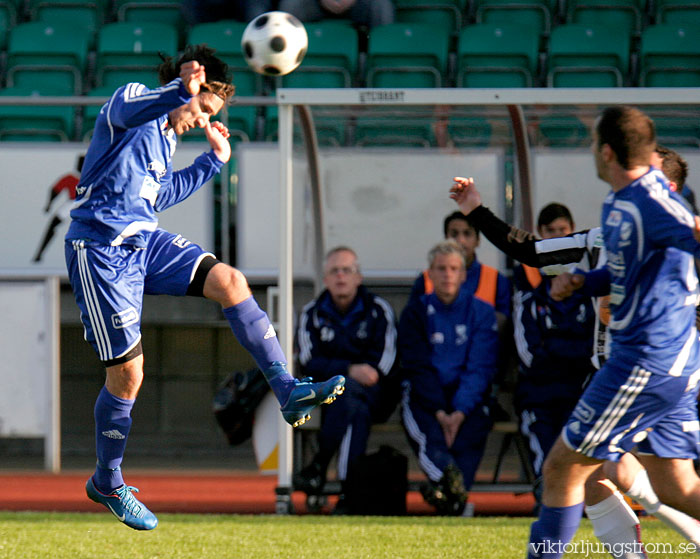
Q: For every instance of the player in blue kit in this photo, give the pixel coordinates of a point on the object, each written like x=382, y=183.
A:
x=644, y=395
x=115, y=253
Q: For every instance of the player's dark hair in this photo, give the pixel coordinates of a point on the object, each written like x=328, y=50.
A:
x=629, y=133
x=673, y=165
x=458, y=215
x=218, y=75
x=554, y=211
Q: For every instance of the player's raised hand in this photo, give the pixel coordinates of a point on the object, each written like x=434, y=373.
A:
x=218, y=135
x=193, y=76
x=466, y=195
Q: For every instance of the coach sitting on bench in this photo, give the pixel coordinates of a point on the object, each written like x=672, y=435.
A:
x=448, y=349
x=347, y=330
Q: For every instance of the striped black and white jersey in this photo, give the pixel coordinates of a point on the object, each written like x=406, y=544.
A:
x=583, y=250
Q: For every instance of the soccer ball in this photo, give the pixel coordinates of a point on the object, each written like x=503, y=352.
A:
x=274, y=43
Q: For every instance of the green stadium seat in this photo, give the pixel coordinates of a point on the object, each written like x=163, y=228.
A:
x=446, y=14
x=407, y=127
x=677, y=131
x=465, y=131
x=130, y=52
x=154, y=11
x=617, y=14
x=669, y=56
x=401, y=55
x=225, y=37
x=588, y=56
x=331, y=59
x=562, y=131
x=34, y=123
x=490, y=55
x=535, y=14
x=678, y=12
x=50, y=57
x=85, y=14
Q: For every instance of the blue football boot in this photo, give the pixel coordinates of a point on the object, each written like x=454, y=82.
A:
x=307, y=395
x=127, y=508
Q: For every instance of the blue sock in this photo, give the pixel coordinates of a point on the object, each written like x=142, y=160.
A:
x=252, y=328
x=112, y=425
x=555, y=527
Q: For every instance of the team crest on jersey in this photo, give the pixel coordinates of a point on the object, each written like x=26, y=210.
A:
x=125, y=318
x=327, y=334
x=437, y=338
x=362, y=330
x=614, y=218
x=461, y=333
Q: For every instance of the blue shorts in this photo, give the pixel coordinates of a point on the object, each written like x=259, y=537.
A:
x=109, y=284
x=627, y=406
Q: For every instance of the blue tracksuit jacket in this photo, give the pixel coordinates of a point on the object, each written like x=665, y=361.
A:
x=328, y=341
x=448, y=352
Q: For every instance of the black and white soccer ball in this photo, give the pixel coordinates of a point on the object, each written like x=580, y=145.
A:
x=274, y=43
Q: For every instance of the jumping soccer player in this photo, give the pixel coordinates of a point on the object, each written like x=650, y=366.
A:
x=115, y=253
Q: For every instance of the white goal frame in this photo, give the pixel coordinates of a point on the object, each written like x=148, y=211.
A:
x=515, y=99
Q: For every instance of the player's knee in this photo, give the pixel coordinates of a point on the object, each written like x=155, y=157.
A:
x=226, y=284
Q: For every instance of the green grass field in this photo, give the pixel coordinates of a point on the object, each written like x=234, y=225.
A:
x=181, y=536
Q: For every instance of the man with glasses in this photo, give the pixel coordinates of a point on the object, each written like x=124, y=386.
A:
x=346, y=330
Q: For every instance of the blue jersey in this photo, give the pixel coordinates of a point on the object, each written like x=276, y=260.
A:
x=127, y=175
x=449, y=352
x=648, y=235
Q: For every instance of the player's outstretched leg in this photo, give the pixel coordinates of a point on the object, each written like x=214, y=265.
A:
x=127, y=508
x=305, y=395
x=252, y=328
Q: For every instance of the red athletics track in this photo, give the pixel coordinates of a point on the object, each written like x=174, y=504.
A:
x=200, y=492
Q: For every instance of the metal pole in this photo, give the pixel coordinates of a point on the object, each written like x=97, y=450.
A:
x=284, y=463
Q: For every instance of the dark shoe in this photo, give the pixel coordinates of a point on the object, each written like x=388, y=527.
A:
x=310, y=479
x=448, y=496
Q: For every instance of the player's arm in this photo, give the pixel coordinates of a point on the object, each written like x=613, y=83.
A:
x=595, y=283
x=516, y=243
x=177, y=186
x=134, y=104
x=668, y=222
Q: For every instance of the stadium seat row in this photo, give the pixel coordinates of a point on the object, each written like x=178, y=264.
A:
x=55, y=58
x=449, y=15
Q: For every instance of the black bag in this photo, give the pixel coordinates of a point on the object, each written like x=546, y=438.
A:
x=235, y=403
x=377, y=483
